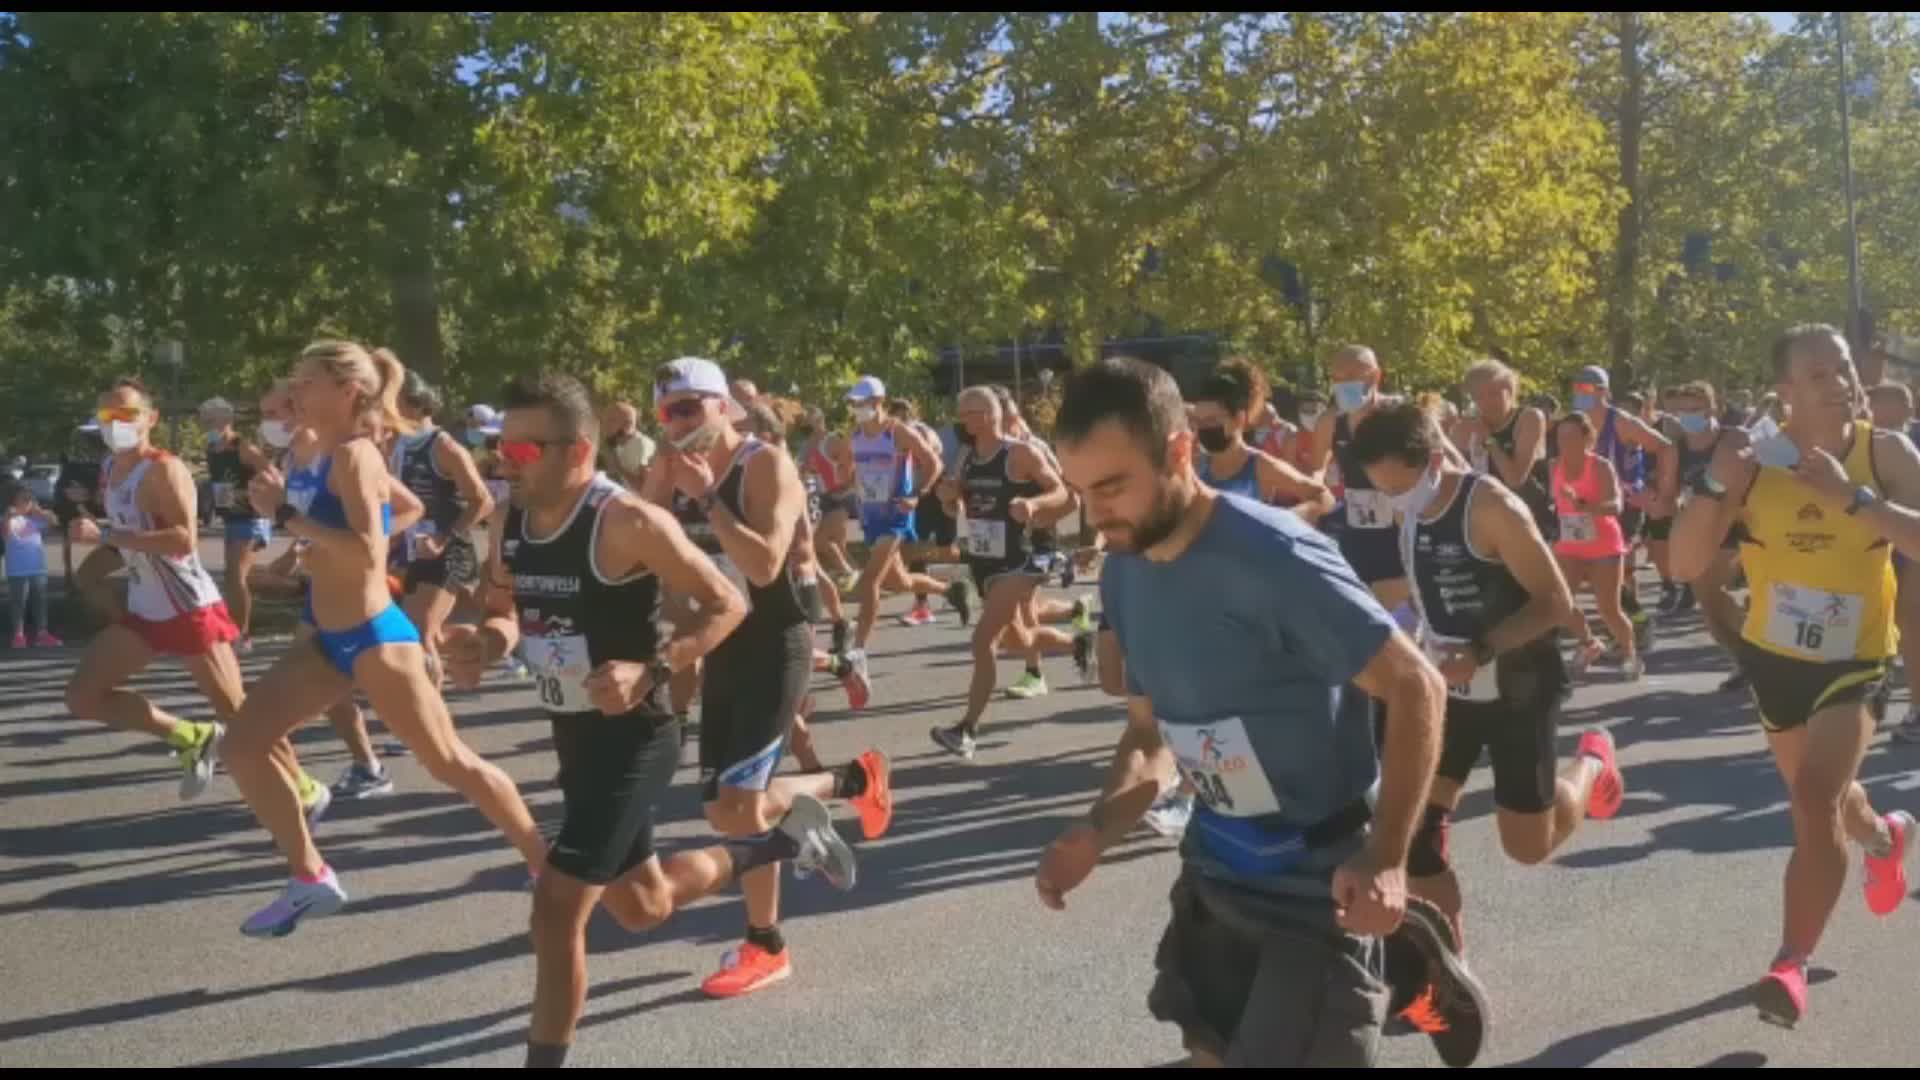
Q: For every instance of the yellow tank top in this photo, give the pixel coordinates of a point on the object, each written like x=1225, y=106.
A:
x=1823, y=582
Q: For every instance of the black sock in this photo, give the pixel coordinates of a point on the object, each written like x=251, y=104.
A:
x=546, y=1055
x=850, y=782
x=841, y=666
x=763, y=850
x=1033, y=670
x=768, y=939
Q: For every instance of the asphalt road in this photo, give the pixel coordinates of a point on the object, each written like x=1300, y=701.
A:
x=120, y=907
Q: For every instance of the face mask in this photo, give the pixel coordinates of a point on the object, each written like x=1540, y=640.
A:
x=632, y=453
x=1415, y=500
x=1213, y=439
x=866, y=414
x=1777, y=451
x=1583, y=402
x=476, y=439
x=277, y=433
x=121, y=435
x=1692, y=423
x=1352, y=396
x=697, y=441
x=1310, y=418
x=1471, y=412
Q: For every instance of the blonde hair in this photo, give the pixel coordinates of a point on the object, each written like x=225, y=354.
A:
x=377, y=374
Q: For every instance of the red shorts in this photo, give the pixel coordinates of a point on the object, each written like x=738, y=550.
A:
x=192, y=634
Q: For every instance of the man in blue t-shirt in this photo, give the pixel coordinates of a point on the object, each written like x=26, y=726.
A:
x=1250, y=648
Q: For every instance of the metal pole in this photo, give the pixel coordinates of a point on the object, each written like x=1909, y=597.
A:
x=1016, y=368
x=1841, y=20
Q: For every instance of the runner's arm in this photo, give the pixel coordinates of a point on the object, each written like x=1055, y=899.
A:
x=1701, y=525
x=457, y=464
x=1313, y=500
x=1503, y=526
x=1666, y=471
x=406, y=506
x=167, y=495
x=1527, y=437
x=658, y=485
x=1609, y=504
x=775, y=500
x=641, y=535
x=1055, y=500
x=251, y=456
x=1415, y=697
x=1320, y=451
x=1140, y=762
x=1897, y=464
x=499, y=617
x=926, y=457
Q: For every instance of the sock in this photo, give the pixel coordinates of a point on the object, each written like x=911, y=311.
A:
x=1881, y=845
x=840, y=667
x=1033, y=670
x=314, y=879
x=767, y=938
x=186, y=735
x=850, y=782
x=766, y=849
x=308, y=788
x=546, y=1055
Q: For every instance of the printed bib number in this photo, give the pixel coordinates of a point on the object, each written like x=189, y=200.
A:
x=222, y=495
x=876, y=487
x=1484, y=686
x=986, y=539
x=1820, y=624
x=1369, y=510
x=415, y=535
x=560, y=668
x=1579, y=528
x=1219, y=761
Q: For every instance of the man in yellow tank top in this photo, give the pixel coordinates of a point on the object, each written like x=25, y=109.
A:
x=1825, y=503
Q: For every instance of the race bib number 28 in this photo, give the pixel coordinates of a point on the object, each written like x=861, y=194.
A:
x=560, y=668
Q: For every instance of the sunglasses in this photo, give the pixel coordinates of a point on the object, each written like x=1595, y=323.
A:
x=684, y=409
x=524, y=452
x=124, y=415
x=1587, y=388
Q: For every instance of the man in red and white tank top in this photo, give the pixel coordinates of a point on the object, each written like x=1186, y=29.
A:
x=173, y=606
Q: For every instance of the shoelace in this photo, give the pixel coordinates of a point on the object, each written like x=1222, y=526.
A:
x=1425, y=1015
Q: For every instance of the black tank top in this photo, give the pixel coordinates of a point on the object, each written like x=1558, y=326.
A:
x=1536, y=489
x=569, y=604
x=230, y=477
x=1462, y=595
x=988, y=490
x=414, y=464
x=772, y=608
x=1352, y=475
x=1694, y=462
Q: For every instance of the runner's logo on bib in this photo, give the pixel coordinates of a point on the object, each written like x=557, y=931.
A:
x=1218, y=759
x=560, y=668
x=986, y=539
x=876, y=487
x=1369, y=509
x=222, y=495
x=1815, y=623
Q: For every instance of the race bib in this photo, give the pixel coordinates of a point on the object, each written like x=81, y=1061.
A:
x=414, y=535
x=222, y=495
x=1484, y=685
x=876, y=487
x=1818, y=624
x=1369, y=509
x=1578, y=528
x=560, y=668
x=986, y=538
x=1219, y=761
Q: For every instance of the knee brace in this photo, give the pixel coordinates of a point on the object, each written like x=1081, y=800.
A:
x=1428, y=855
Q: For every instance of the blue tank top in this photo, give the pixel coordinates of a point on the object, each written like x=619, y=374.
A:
x=1628, y=460
x=1245, y=482
x=307, y=491
x=879, y=470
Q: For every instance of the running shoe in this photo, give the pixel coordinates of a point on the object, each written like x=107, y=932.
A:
x=954, y=741
x=196, y=761
x=1688, y=599
x=1909, y=729
x=1585, y=655
x=1028, y=685
x=1609, y=788
x=19, y=641
x=244, y=646
x=746, y=969
x=44, y=640
x=359, y=782
x=856, y=679
x=1781, y=996
x=1083, y=655
x=316, y=808
x=846, y=583
x=840, y=631
x=1082, y=616
x=1169, y=814
x=960, y=595
x=1669, y=598
x=1886, y=876
x=876, y=803
x=299, y=900
x=1635, y=668
x=919, y=616
x=1642, y=632
x=811, y=826
x=1453, y=1009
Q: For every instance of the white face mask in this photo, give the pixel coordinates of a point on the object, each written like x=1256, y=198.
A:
x=633, y=454
x=1310, y=418
x=121, y=435
x=698, y=441
x=1415, y=501
x=277, y=433
x=866, y=414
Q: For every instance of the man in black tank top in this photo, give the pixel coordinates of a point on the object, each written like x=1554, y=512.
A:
x=1692, y=423
x=231, y=461
x=1508, y=440
x=1489, y=595
x=749, y=497
x=439, y=556
x=1008, y=489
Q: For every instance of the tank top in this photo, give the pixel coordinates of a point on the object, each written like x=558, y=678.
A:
x=1363, y=507
x=308, y=493
x=159, y=587
x=818, y=464
x=987, y=490
x=1629, y=461
x=771, y=608
x=880, y=471
x=1244, y=482
x=573, y=615
x=413, y=463
x=1462, y=595
x=1584, y=535
x=1822, y=582
x=229, y=477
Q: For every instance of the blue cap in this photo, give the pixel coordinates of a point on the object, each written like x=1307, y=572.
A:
x=1593, y=375
x=867, y=388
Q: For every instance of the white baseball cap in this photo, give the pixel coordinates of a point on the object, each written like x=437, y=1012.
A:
x=696, y=375
x=217, y=405
x=484, y=419
x=867, y=388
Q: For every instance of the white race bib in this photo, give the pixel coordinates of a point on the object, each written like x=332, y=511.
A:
x=1578, y=528
x=1219, y=760
x=414, y=535
x=1485, y=685
x=1817, y=624
x=986, y=538
x=1369, y=509
x=560, y=668
x=222, y=495
x=876, y=487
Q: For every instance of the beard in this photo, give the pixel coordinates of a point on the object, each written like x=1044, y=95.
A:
x=1159, y=522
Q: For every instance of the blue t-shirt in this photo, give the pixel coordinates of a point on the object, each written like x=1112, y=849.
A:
x=1246, y=644
x=26, y=553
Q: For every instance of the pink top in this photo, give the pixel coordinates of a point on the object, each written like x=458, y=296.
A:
x=1584, y=535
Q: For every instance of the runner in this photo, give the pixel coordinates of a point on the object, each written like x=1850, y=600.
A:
x=173, y=608
x=1234, y=391
x=839, y=504
x=625, y=451
x=438, y=555
x=230, y=464
x=1294, y=866
x=749, y=497
x=336, y=501
x=1696, y=433
x=885, y=458
x=1891, y=405
x=1824, y=505
x=1363, y=522
x=1507, y=440
x=26, y=562
x=1592, y=547
x=935, y=531
x=1490, y=597
x=1627, y=441
x=1009, y=489
x=1028, y=636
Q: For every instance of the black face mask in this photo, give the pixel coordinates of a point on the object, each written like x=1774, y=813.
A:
x=1213, y=440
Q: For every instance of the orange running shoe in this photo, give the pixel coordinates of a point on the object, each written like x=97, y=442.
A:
x=876, y=803
x=1609, y=788
x=746, y=969
x=1886, y=877
x=1781, y=996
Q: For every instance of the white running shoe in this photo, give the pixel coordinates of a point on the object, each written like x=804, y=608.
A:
x=299, y=900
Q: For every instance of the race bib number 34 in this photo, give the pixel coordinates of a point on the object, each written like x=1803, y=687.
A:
x=986, y=539
x=560, y=668
x=1219, y=760
x=1815, y=623
x=1369, y=510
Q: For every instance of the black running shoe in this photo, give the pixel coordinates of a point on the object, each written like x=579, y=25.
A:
x=1669, y=598
x=1452, y=1009
x=960, y=595
x=1083, y=655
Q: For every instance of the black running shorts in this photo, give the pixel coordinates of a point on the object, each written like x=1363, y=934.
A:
x=750, y=690
x=613, y=771
x=1787, y=692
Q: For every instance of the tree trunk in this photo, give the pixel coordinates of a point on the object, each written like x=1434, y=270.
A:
x=1626, y=258
x=416, y=309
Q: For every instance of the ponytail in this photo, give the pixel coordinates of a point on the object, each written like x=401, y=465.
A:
x=393, y=377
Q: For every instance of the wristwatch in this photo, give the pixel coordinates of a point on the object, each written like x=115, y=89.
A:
x=1863, y=497
x=286, y=513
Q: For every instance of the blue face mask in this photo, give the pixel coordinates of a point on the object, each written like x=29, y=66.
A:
x=1583, y=402
x=1693, y=423
x=1352, y=396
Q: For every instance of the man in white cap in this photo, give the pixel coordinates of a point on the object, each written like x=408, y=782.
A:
x=231, y=461
x=892, y=464
x=1628, y=442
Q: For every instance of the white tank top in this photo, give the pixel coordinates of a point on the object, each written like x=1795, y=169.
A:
x=159, y=587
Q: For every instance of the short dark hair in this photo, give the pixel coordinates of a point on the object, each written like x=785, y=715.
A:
x=418, y=394
x=1634, y=400
x=1783, y=345
x=764, y=422
x=1577, y=419
x=1234, y=385
x=1403, y=432
x=135, y=384
x=1140, y=397
x=562, y=395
